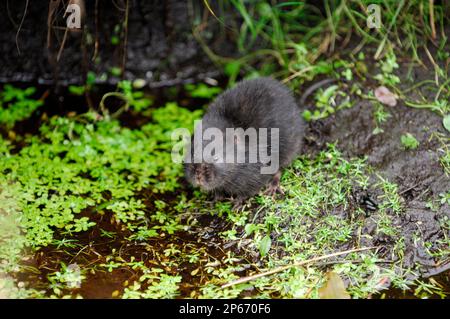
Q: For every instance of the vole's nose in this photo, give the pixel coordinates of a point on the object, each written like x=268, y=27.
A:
x=198, y=179
x=200, y=174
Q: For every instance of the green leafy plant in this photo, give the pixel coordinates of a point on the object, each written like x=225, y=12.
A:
x=326, y=103
x=115, y=71
x=69, y=277
x=81, y=89
x=381, y=116
x=162, y=286
x=17, y=104
x=115, y=38
x=77, y=89
x=202, y=90
x=387, y=66
x=136, y=99
x=446, y=122
x=409, y=142
x=73, y=182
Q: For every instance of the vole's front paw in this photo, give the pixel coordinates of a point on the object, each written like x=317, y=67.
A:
x=272, y=190
x=219, y=197
x=274, y=187
x=238, y=202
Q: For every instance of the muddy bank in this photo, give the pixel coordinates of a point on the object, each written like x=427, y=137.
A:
x=418, y=173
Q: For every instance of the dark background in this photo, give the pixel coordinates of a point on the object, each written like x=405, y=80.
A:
x=161, y=47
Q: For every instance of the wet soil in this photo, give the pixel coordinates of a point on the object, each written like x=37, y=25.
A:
x=418, y=173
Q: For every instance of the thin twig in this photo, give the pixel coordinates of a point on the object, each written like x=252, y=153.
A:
x=85, y=63
x=297, y=264
x=117, y=6
x=20, y=26
x=61, y=48
x=436, y=67
x=44, y=95
x=120, y=110
x=52, y=7
x=9, y=14
x=433, y=28
x=96, y=32
x=391, y=25
x=297, y=74
x=208, y=7
x=408, y=189
x=125, y=40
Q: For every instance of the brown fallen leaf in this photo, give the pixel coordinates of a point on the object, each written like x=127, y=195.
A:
x=334, y=288
x=385, y=96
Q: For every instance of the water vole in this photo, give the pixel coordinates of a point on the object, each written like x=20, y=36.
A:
x=257, y=105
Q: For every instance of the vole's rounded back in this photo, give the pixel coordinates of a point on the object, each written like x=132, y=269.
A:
x=261, y=103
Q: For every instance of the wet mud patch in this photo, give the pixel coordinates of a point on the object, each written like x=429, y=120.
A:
x=418, y=173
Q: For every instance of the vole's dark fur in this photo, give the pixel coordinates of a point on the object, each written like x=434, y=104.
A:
x=258, y=103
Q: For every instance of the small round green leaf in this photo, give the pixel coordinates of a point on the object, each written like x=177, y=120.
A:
x=446, y=122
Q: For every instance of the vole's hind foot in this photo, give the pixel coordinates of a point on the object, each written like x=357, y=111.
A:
x=238, y=203
x=219, y=197
x=274, y=187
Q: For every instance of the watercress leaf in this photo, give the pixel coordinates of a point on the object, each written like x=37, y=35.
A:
x=264, y=245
